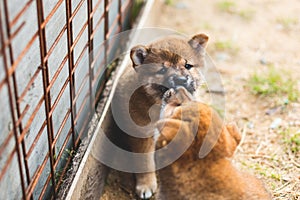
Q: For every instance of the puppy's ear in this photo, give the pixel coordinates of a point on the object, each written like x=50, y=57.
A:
x=138, y=55
x=183, y=95
x=173, y=130
x=234, y=132
x=168, y=128
x=231, y=138
x=199, y=42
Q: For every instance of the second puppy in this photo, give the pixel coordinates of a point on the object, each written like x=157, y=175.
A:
x=185, y=124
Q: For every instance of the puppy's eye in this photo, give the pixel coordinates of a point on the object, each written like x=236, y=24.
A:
x=188, y=66
x=162, y=71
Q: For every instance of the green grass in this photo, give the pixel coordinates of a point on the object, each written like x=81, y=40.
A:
x=207, y=26
x=223, y=45
x=232, y=8
x=291, y=138
x=264, y=171
x=70, y=153
x=287, y=22
x=137, y=5
x=226, y=45
x=275, y=176
x=169, y=2
x=246, y=14
x=274, y=82
x=226, y=6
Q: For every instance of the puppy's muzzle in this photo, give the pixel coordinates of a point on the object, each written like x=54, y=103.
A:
x=178, y=80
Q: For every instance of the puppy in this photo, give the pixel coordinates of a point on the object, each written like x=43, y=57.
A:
x=185, y=124
x=156, y=67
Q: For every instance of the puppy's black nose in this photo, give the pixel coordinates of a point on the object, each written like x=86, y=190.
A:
x=180, y=80
x=177, y=80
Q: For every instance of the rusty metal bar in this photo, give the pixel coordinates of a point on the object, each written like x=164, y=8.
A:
x=12, y=36
x=47, y=99
x=58, y=158
x=59, y=131
x=9, y=31
x=38, y=172
x=6, y=141
x=56, y=74
x=30, y=120
x=96, y=59
x=10, y=134
x=2, y=83
x=115, y=22
x=91, y=48
x=81, y=107
x=37, y=175
x=76, y=10
x=120, y=14
x=94, y=9
x=16, y=95
x=79, y=59
x=97, y=26
x=5, y=167
x=106, y=30
x=17, y=17
x=65, y=169
x=58, y=97
x=125, y=6
x=71, y=66
x=83, y=128
x=98, y=72
x=47, y=19
x=80, y=89
x=10, y=95
x=78, y=36
x=22, y=54
x=61, y=33
x=98, y=93
x=106, y=18
x=18, y=123
x=60, y=153
x=30, y=82
x=35, y=140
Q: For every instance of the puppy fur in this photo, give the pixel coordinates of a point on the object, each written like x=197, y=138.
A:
x=212, y=177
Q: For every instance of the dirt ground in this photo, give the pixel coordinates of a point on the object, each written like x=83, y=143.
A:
x=245, y=37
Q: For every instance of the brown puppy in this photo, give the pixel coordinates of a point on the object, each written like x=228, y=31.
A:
x=214, y=176
x=157, y=67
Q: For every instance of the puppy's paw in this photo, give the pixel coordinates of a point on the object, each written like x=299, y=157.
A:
x=168, y=95
x=183, y=95
x=146, y=185
x=177, y=97
x=145, y=191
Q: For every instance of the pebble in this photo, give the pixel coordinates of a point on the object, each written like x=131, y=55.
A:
x=263, y=61
x=272, y=111
x=181, y=5
x=276, y=123
x=222, y=57
x=250, y=125
x=294, y=123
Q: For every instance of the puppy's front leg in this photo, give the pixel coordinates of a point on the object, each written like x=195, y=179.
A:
x=146, y=183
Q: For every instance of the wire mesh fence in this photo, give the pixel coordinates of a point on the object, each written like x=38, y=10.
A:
x=51, y=77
